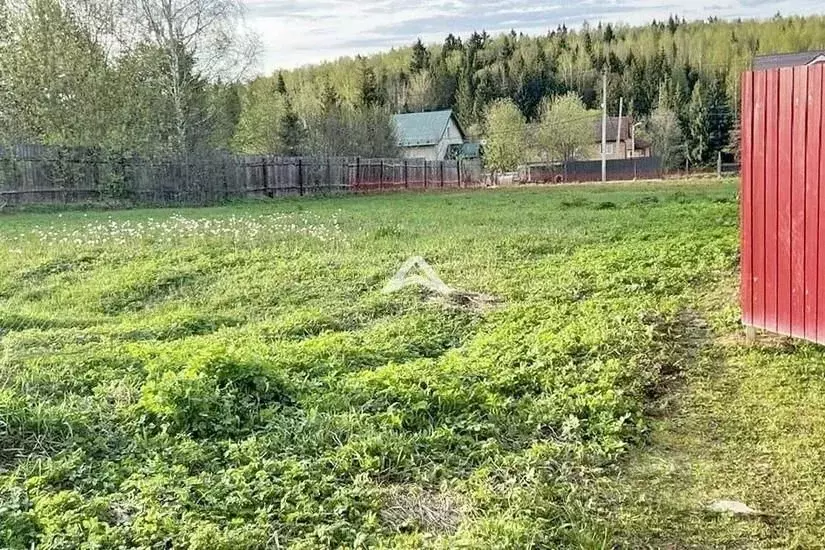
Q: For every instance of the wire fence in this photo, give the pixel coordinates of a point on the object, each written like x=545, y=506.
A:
x=37, y=174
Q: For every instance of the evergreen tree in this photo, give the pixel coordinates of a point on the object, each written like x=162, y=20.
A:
x=370, y=93
x=451, y=43
x=609, y=35
x=330, y=102
x=281, y=85
x=420, y=58
x=672, y=25
x=698, y=126
x=465, y=98
x=291, y=132
x=484, y=94
x=720, y=117
x=465, y=93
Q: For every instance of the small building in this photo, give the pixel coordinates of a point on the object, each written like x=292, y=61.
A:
x=798, y=59
x=428, y=135
x=627, y=145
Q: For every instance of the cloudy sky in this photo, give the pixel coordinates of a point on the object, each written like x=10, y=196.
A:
x=298, y=32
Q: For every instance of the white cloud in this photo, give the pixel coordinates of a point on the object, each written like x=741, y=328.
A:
x=297, y=32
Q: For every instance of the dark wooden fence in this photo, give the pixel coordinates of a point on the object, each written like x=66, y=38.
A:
x=36, y=174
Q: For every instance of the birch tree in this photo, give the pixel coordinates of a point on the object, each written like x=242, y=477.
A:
x=199, y=40
x=566, y=127
x=505, y=129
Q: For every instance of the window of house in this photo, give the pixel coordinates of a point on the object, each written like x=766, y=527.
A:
x=610, y=149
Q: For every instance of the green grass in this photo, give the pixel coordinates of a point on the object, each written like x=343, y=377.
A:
x=234, y=378
x=748, y=425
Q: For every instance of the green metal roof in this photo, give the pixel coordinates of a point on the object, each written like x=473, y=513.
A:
x=421, y=129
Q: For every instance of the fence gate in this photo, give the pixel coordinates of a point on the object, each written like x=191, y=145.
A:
x=783, y=201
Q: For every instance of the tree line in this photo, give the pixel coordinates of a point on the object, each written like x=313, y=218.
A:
x=154, y=76
x=680, y=78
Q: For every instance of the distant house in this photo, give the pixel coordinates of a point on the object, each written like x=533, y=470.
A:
x=763, y=62
x=628, y=144
x=429, y=135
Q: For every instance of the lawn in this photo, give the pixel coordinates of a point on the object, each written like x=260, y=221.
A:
x=234, y=377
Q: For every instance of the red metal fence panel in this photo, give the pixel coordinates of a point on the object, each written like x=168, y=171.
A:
x=747, y=201
x=783, y=201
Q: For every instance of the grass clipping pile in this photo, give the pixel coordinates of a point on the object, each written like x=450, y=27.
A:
x=436, y=290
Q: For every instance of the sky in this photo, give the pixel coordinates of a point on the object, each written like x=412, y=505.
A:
x=300, y=32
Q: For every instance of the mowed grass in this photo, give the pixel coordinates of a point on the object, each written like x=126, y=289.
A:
x=234, y=377
x=747, y=424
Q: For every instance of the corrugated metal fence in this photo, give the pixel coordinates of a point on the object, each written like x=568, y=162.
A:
x=591, y=170
x=783, y=201
x=33, y=174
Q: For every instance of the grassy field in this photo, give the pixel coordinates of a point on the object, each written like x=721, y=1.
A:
x=234, y=377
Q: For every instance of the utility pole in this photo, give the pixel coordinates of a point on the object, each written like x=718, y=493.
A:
x=619, y=129
x=604, y=126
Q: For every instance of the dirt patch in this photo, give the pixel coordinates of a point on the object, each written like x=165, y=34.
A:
x=678, y=343
x=472, y=302
x=764, y=341
x=411, y=508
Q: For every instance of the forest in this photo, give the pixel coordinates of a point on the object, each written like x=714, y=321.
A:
x=70, y=74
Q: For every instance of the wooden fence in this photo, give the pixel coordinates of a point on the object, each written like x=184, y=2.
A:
x=36, y=174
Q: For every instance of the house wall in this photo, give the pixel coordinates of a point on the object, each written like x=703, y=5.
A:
x=429, y=152
x=618, y=151
x=614, y=150
x=452, y=136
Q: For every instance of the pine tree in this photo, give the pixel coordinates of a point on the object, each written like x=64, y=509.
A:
x=465, y=98
x=291, y=132
x=698, y=126
x=672, y=25
x=609, y=35
x=451, y=43
x=420, y=58
x=485, y=92
x=720, y=117
x=280, y=87
x=370, y=93
x=330, y=102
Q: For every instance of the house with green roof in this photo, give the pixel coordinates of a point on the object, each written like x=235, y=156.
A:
x=429, y=135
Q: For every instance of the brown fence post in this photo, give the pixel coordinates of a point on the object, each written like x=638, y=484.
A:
x=381, y=175
x=441, y=172
x=406, y=182
x=265, y=170
x=300, y=177
x=458, y=171
x=357, y=172
x=425, y=173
